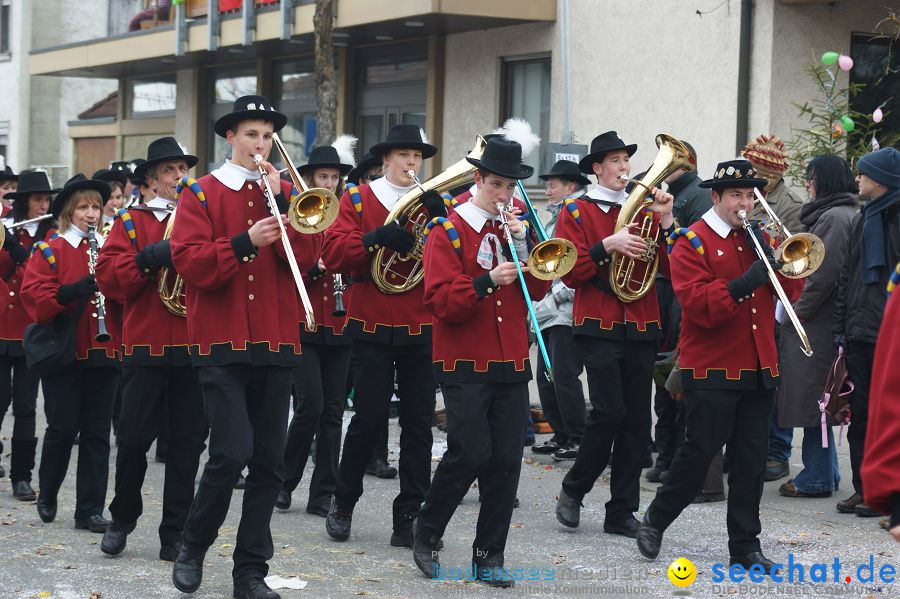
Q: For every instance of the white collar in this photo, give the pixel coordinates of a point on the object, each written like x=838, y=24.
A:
x=598, y=192
x=474, y=189
x=234, y=176
x=74, y=235
x=163, y=207
x=387, y=193
x=474, y=216
x=716, y=223
x=31, y=228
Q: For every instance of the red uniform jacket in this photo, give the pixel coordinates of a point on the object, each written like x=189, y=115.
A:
x=881, y=464
x=329, y=329
x=597, y=311
x=40, y=286
x=723, y=342
x=13, y=317
x=242, y=302
x=376, y=317
x=151, y=335
x=480, y=331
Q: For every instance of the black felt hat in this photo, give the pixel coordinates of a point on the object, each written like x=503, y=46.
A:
x=31, y=182
x=362, y=167
x=248, y=108
x=735, y=173
x=161, y=150
x=105, y=174
x=602, y=145
x=566, y=170
x=324, y=157
x=7, y=173
x=404, y=136
x=77, y=183
x=503, y=158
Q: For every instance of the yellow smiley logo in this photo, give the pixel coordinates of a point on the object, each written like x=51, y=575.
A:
x=682, y=572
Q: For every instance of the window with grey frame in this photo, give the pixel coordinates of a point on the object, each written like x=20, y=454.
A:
x=525, y=85
x=5, y=15
x=150, y=98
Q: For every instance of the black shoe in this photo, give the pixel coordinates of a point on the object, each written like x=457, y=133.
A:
x=46, y=509
x=95, y=523
x=425, y=553
x=754, y=558
x=628, y=528
x=568, y=510
x=567, y=452
x=317, y=509
x=23, y=492
x=653, y=475
x=406, y=538
x=864, y=511
x=187, y=573
x=283, y=501
x=547, y=447
x=649, y=539
x=115, y=537
x=704, y=497
x=848, y=506
x=490, y=571
x=253, y=588
x=169, y=552
x=776, y=470
x=338, y=521
x=381, y=469
x=241, y=483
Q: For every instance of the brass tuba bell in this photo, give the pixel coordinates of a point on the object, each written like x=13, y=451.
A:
x=171, y=296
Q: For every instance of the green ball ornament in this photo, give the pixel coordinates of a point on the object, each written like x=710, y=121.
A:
x=830, y=58
x=848, y=123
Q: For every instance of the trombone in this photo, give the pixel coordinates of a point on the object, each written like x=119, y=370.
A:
x=801, y=254
x=314, y=210
x=779, y=290
x=21, y=223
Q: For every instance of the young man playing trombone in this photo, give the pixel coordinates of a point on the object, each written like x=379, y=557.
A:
x=156, y=367
x=242, y=315
x=481, y=356
x=729, y=362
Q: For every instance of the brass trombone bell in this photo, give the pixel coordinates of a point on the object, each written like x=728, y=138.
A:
x=313, y=211
x=552, y=259
x=802, y=254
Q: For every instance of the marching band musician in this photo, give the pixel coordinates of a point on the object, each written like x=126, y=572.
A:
x=617, y=340
x=79, y=395
x=8, y=182
x=18, y=384
x=321, y=380
x=729, y=364
x=156, y=367
x=391, y=333
x=481, y=357
x=242, y=315
x=118, y=181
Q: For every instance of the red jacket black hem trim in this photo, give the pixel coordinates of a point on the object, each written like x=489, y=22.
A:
x=716, y=379
x=387, y=335
x=256, y=354
x=497, y=372
x=139, y=355
x=592, y=327
x=12, y=348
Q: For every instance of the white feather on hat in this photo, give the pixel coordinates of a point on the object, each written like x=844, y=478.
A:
x=424, y=137
x=345, y=144
x=519, y=130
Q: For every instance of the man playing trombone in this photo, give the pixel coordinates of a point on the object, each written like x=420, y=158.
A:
x=242, y=315
x=729, y=362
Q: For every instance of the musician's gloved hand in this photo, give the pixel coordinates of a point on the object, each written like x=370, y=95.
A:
x=760, y=236
x=154, y=257
x=86, y=285
x=434, y=203
x=315, y=272
x=756, y=276
x=392, y=235
x=16, y=251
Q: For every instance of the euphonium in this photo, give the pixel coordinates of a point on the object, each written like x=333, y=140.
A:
x=171, y=297
x=393, y=272
x=632, y=278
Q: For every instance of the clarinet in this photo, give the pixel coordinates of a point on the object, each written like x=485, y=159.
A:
x=102, y=335
x=339, y=287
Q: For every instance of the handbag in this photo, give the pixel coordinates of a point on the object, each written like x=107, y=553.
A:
x=50, y=347
x=835, y=400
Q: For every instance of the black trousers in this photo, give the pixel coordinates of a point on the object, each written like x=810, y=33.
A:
x=19, y=387
x=860, y=357
x=484, y=439
x=563, y=399
x=81, y=401
x=145, y=390
x=321, y=384
x=247, y=409
x=669, y=431
x=713, y=418
x=619, y=377
x=373, y=367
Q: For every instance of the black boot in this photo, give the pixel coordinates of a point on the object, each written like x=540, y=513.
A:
x=381, y=469
x=425, y=552
x=95, y=523
x=338, y=522
x=115, y=537
x=568, y=510
x=489, y=570
x=46, y=507
x=253, y=588
x=649, y=538
x=753, y=558
x=283, y=501
x=22, y=491
x=187, y=574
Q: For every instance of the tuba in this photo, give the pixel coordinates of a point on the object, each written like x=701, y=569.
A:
x=398, y=273
x=632, y=278
x=171, y=296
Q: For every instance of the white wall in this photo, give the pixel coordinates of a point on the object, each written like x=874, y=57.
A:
x=11, y=76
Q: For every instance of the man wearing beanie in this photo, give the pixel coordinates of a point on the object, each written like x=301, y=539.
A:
x=874, y=250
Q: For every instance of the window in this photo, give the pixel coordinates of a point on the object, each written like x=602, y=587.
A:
x=871, y=67
x=4, y=27
x=154, y=97
x=526, y=95
x=295, y=96
x=226, y=86
x=4, y=139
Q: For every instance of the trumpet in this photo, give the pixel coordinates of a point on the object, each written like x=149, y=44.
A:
x=102, y=335
x=779, y=290
x=21, y=223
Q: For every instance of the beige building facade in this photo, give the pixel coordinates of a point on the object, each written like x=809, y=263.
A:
x=714, y=73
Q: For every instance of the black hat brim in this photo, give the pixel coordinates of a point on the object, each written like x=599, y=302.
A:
x=503, y=169
x=23, y=195
x=733, y=183
x=379, y=150
x=362, y=168
x=224, y=123
x=579, y=179
x=140, y=172
x=6, y=177
x=587, y=162
x=63, y=196
x=308, y=168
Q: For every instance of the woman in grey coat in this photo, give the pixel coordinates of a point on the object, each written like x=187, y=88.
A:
x=828, y=214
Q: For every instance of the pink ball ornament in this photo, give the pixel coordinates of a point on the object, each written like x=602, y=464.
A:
x=845, y=63
x=877, y=116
